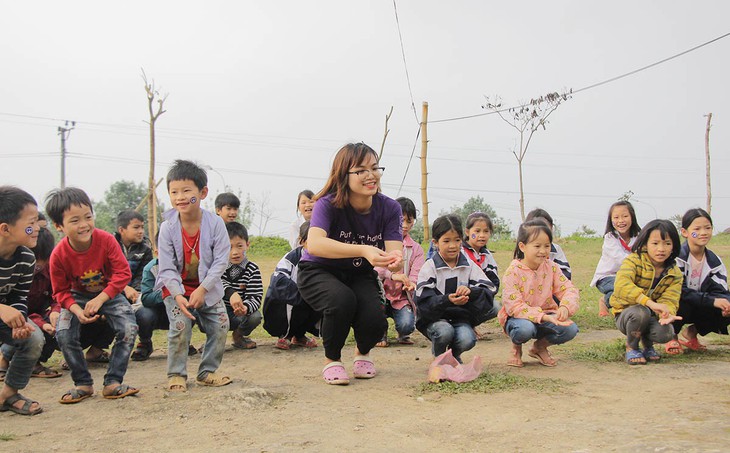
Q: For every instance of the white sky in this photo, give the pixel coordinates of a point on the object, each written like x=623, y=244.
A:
x=266, y=92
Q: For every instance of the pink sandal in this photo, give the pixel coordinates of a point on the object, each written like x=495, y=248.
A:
x=363, y=368
x=334, y=373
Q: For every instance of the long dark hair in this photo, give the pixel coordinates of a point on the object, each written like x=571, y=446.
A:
x=634, y=229
x=694, y=214
x=444, y=224
x=666, y=229
x=529, y=231
x=349, y=156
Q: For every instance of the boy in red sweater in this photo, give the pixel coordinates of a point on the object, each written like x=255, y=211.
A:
x=88, y=274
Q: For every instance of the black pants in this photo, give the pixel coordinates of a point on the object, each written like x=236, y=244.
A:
x=705, y=318
x=346, y=298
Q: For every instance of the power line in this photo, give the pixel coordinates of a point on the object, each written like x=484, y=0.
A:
x=612, y=79
x=403, y=54
x=410, y=159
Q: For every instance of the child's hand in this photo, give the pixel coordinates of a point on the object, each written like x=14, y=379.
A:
x=463, y=291
x=239, y=309
x=54, y=318
x=79, y=313
x=49, y=329
x=93, y=306
x=723, y=305
x=12, y=317
x=555, y=320
x=131, y=294
x=183, y=305
x=397, y=257
x=403, y=278
x=456, y=299
x=563, y=313
x=197, y=298
x=668, y=319
x=660, y=309
x=21, y=333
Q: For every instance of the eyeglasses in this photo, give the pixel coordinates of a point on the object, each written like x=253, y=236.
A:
x=362, y=174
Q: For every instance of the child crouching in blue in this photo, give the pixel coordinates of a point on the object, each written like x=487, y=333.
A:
x=453, y=294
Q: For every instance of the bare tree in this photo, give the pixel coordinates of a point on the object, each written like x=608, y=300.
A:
x=526, y=119
x=385, y=134
x=264, y=211
x=153, y=96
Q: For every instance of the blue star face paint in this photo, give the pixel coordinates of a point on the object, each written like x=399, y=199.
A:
x=473, y=236
x=29, y=230
x=193, y=200
x=694, y=234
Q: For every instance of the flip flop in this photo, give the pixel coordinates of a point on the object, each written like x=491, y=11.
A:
x=304, y=342
x=532, y=353
x=515, y=362
x=40, y=371
x=77, y=395
x=23, y=410
x=121, y=391
x=693, y=344
x=334, y=373
x=363, y=368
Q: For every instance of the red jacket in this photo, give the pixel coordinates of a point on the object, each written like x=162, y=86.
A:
x=101, y=268
x=40, y=297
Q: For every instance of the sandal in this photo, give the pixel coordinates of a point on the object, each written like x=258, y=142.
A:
x=283, y=343
x=103, y=357
x=245, y=343
x=515, y=362
x=77, y=395
x=673, y=347
x=548, y=362
x=363, y=367
x=214, y=380
x=40, y=371
x=3, y=372
x=177, y=384
x=24, y=410
x=334, y=373
x=143, y=351
x=651, y=355
x=405, y=340
x=635, y=357
x=693, y=344
x=121, y=391
x=304, y=342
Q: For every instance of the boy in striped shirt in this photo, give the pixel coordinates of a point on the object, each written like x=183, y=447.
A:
x=243, y=288
x=18, y=233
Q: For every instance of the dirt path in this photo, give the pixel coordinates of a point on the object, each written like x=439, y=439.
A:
x=279, y=403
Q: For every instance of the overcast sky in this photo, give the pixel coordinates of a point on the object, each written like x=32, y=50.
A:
x=266, y=92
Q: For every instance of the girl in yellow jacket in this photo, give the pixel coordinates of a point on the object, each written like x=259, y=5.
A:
x=647, y=290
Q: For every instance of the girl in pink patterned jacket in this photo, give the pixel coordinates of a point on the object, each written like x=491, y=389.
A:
x=528, y=308
x=399, y=287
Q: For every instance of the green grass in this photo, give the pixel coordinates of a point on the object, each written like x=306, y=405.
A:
x=614, y=350
x=7, y=437
x=492, y=382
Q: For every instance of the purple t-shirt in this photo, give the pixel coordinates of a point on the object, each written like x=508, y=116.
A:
x=382, y=223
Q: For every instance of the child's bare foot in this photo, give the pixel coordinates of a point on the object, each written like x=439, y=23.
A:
x=540, y=352
x=516, y=359
x=602, y=308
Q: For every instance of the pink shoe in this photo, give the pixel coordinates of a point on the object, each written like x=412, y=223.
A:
x=363, y=368
x=334, y=373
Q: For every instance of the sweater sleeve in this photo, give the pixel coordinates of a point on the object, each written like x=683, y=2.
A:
x=565, y=291
x=168, y=275
x=22, y=274
x=417, y=260
x=221, y=250
x=60, y=280
x=149, y=296
x=670, y=296
x=119, y=271
x=624, y=287
x=254, y=288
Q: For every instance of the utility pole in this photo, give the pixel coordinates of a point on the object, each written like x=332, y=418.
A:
x=707, y=163
x=64, y=131
x=424, y=173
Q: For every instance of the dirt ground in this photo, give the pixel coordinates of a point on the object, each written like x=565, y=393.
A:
x=278, y=402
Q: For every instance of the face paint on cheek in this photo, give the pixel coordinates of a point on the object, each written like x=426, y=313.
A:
x=29, y=231
x=473, y=236
x=694, y=234
x=193, y=200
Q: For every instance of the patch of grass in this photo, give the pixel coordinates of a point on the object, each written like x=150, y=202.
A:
x=492, y=382
x=598, y=351
x=6, y=437
x=722, y=355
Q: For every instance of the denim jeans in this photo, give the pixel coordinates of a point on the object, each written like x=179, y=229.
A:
x=149, y=319
x=523, y=330
x=405, y=320
x=605, y=286
x=244, y=324
x=49, y=347
x=460, y=337
x=120, y=317
x=25, y=355
x=213, y=320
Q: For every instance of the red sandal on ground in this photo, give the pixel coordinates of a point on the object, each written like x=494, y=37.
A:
x=693, y=344
x=673, y=348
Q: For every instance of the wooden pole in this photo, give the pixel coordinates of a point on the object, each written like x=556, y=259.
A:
x=424, y=173
x=707, y=163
